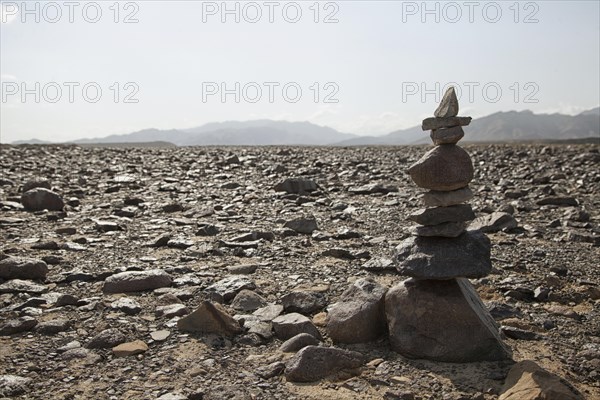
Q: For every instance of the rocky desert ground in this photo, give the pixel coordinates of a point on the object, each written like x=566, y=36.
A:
x=207, y=225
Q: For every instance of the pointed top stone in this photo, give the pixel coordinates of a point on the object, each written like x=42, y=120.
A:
x=449, y=105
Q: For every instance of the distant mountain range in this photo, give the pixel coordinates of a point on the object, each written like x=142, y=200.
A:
x=499, y=127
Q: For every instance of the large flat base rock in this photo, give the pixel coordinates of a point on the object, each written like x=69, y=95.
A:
x=466, y=256
x=442, y=321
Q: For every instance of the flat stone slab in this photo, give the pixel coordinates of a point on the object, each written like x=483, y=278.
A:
x=467, y=255
x=447, y=229
x=442, y=321
x=439, y=215
x=314, y=362
x=446, y=167
x=447, y=135
x=444, y=122
x=436, y=198
x=137, y=281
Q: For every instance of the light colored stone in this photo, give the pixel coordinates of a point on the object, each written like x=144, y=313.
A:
x=137, y=281
x=446, y=167
x=528, y=381
x=494, y=222
x=442, y=321
x=449, y=105
x=436, y=198
x=289, y=325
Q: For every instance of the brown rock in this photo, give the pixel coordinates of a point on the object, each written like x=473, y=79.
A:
x=130, y=348
x=528, y=381
x=209, y=318
x=446, y=167
x=439, y=215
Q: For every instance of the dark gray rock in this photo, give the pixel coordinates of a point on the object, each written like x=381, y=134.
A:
x=446, y=167
x=53, y=326
x=446, y=229
x=303, y=302
x=289, y=325
x=313, y=363
x=304, y=225
x=296, y=186
x=13, y=385
x=128, y=305
x=248, y=301
x=467, y=255
x=359, y=315
x=22, y=286
x=494, y=222
x=23, y=268
x=12, y=326
x=106, y=339
x=372, y=188
x=558, y=201
x=439, y=215
x=137, y=281
x=442, y=321
x=298, y=342
x=42, y=199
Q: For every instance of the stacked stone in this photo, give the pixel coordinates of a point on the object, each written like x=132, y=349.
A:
x=437, y=314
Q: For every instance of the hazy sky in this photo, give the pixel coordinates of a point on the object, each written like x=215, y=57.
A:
x=362, y=67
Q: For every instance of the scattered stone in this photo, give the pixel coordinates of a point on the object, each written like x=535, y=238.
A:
x=21, y=286
x=136, y=281
x=171, y=310
x=22, y=324
x=296, y=186
x=13, y=385
x=269, y=313
x=304, y=225
x=379, y=265
x=38, y=199
x=209, y=318
x=494, y=222
x=373, y=188
x=313, y=363
x=128, y=305
x=467, y=256
x=558, y=201
x=289, y=325
x=244, y=269
x=130, y=348
x=23, y=268
x=160, y=336
x=303, y=302
x=298, y=342
x=229, y=287
x=359, y=315
x=518, y=333
x=106, y=339
x=248, y=301
x=436, y=198
x=53, y=327
x=442, y=321
x=36, y=183
x=107, y=226
x=271, y=370
x=528, y=381
x=445, y=168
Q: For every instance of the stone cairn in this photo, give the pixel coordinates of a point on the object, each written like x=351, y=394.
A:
x=437, y=314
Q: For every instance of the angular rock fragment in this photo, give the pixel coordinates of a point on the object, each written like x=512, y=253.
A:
x=304, y=225
x=289, y=325
x=296, y=186
x=359, y=315
x=494, y=222
x=298, y=342
x=449, y=105
x=209, y=318
x=446, y=229
x=443, y=321
x=447, y=135
x=313, y=363
x=228, y=288
x=106, y=339
x=435, y=198
x=130, y=348
x=12, y=326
